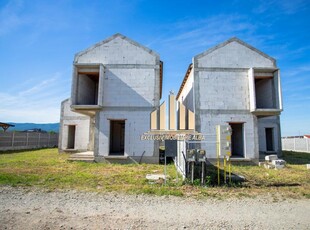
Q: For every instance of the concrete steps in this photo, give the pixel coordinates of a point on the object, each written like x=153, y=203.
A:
x=119, y=160
x=83, y=157
x=89, y=157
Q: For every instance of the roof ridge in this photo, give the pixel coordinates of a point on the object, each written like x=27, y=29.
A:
x=77, y=55
x=236, y=39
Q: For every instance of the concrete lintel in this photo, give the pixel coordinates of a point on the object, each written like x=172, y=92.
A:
x=221, y=69
x=87, y=65
x=267, y=112
x=127, y=108
x=269, y=120
x=225, y=111
x=131, y=66
x=86, y=107
x=264, y=69
x=74, y=118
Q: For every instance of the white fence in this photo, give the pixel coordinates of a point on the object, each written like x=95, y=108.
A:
x=296, y=144
x=24, y=140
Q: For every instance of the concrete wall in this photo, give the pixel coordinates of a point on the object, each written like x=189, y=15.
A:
x=296, y=144
x=233, y=55
x=187, y=95
x=222, y=92
x=136, y=123
x=130, y=87
x=27, y=140
x=269, y=122
x=130, y=83
x=87, y=90
x=116, y=50
x=209, y=120
x=264, y=89
x=81, y=122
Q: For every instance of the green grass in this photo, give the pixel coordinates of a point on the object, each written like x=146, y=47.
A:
x=49, y=170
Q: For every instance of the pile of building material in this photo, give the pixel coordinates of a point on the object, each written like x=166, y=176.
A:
x=273, y=162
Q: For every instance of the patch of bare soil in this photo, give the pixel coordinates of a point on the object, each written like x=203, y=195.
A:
x=36, y=209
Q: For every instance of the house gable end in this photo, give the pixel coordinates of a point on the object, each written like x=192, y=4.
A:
x=234, y=53
x=117, y=49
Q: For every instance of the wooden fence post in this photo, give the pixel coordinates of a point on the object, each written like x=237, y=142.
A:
x=13, y=137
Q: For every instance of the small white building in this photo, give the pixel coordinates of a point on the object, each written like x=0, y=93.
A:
x=116, y=84
x=236, y=84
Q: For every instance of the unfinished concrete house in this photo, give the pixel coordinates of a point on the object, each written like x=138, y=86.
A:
x=116, y=84
x=236, y=84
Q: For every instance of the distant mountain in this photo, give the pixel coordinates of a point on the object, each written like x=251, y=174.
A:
x=25, y=126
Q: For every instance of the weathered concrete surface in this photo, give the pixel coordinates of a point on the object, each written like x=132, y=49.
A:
x=223, y=87
x=125, y=78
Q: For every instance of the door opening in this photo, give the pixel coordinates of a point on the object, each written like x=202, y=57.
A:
x=237, y=142
x=117, y=137
x=269, y=139
x=71, y=137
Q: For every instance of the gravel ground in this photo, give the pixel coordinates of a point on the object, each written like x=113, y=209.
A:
x=36, y=209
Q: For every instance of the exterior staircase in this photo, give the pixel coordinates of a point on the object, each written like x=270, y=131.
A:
x=119, y=160
x=89, y=157
x=83, y=157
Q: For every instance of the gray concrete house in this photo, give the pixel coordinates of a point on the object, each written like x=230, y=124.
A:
x=236, y=84
x=116, y=84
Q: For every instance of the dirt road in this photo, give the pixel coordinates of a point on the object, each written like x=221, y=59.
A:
x=36, y=209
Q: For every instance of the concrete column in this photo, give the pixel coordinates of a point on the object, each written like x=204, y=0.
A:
x=252, y=89
x=91, y=133
x=154, y=120
x=181, y=116
x=162, y=116
x=172, y=112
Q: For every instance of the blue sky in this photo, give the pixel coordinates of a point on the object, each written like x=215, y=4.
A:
x=38, y=40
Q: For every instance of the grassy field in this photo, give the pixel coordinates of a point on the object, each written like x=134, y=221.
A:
x=49, y=170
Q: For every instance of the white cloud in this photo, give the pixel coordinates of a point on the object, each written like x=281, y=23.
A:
x=41, y=86
x=38, y=103
x=10, y=16
x=206, y=32
x=281, y=6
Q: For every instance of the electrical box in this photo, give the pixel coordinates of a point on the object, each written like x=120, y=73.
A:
x=223, y=138
x=171, y=148
x=201, y=155
x=191, y=155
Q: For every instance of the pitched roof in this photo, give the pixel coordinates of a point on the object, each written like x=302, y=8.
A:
x=184, y=80
x=235, y=39
x=117, y=35
x=5, y=126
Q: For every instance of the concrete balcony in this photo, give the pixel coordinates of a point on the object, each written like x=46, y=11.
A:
x=89, y=110
x=265, y=92
x=87, y=88
x=266, y=112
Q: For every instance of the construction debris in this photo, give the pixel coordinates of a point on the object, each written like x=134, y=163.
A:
x=273, y=162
